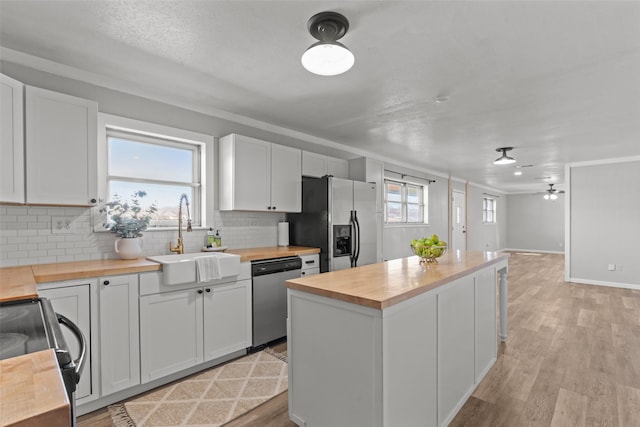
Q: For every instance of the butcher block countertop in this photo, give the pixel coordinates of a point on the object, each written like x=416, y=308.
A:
x=388, y=283
x=17, y=283
x=44, y=273
x=269, y=252
x=32, y=392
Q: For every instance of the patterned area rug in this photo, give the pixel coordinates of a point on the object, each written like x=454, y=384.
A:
x=210, y=398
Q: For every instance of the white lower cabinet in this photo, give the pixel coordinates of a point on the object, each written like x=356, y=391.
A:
x=310, y=265
x=182, y=328
x=73, y=300
x=227, y=319
x=170, y=332
x=119, y=333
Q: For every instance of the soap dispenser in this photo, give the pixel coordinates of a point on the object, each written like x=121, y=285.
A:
x=218, y=239
x=211, y=239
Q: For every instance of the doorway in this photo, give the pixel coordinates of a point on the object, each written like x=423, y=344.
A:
x=458, y=221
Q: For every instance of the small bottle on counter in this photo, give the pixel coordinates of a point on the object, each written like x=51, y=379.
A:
x=211, y=239
x=218, y=239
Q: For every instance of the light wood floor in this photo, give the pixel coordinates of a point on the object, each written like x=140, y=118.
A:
x=572, y=358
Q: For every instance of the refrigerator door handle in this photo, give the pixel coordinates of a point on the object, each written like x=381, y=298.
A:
x=352, y=223
x=357, y=254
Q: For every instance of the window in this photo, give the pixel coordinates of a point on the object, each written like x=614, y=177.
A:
x=488, y=210
x=404, y=203
x=164, y=162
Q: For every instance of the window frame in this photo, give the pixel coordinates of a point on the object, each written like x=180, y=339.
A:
x=404, y=203
x=486, y=210
x=146, y=132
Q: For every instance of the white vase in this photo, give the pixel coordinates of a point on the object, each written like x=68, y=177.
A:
x=130, y=248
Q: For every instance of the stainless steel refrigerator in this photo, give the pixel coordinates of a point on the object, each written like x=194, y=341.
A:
x=339, y=217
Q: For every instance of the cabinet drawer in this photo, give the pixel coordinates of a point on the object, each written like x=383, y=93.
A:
x=310, y=261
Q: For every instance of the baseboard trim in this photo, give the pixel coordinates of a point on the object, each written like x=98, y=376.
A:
x=600, y=283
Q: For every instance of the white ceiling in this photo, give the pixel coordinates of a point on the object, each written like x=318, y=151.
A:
x=559, y=81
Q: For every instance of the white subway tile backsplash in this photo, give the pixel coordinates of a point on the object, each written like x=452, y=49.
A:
x=26, y=236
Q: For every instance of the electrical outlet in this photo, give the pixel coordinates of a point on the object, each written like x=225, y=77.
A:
x=62, y=225
x=612, y=267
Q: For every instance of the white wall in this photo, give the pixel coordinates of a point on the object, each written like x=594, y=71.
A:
x=485, y=237
x=396, y=239
x=605, y=223
x=535, y=224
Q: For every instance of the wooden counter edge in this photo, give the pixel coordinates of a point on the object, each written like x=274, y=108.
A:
x=255, y=254
x=47, y=400
x=41, y=275
x=388, y=302
x=17, y=283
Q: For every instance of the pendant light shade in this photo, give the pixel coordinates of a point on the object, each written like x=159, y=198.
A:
x=504, y=159
x=328, y=57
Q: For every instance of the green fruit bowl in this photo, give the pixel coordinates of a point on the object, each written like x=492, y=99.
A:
x=428, y=253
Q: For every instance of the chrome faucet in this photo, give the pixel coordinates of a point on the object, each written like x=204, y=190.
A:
x=179, y=248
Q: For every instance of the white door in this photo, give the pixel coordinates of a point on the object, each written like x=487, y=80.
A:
x=458, y=221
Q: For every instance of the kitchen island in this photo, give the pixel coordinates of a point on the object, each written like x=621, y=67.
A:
x=397, y=343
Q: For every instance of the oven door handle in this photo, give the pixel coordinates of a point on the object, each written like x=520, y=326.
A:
x=79, y=362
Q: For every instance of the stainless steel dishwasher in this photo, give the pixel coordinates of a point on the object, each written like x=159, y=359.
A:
x=270, y=297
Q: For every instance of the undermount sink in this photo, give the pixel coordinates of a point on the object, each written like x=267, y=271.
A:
x=181, y=268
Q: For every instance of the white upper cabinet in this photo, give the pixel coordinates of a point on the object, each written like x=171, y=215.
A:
x=258, y=175
x=11, y=141
x=286, y=179
x=317, y=165
x=61, y=157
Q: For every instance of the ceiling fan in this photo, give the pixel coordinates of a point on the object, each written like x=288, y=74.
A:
x=552, y=193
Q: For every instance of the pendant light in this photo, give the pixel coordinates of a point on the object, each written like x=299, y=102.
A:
x=504, y=159
x=328, y=57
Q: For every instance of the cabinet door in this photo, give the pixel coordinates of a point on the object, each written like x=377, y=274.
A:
x=313, y=164
x=74, y=302
x=310, y=272
x=245, y=172
x=170, y=333
x=486, y=325
x=227, y=319
x=338, y=167
x=456, y=345
x=286, y=179
x=119, y=333
x=61, y=156
x=11, y=140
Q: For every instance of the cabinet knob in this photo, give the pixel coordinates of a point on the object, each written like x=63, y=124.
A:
x=200, y=291
x=269, y=207
x=208, y=290
x=273, y=207
x=93, y=201
x=106, y=282
x=303, y=273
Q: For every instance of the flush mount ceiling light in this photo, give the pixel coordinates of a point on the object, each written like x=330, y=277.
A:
x=504, y=159
x=328, y=57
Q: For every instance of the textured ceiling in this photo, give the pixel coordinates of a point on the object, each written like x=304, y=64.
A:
x=559, y=81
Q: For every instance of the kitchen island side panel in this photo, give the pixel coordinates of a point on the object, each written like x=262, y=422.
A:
x=334, y=356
